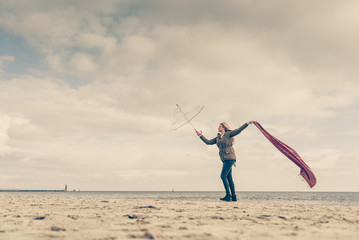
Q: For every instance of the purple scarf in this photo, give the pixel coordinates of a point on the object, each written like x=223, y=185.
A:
x=305, y=171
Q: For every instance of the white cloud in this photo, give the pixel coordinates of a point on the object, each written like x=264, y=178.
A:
x=83, y=63
x=3, y=61
x=4, y=138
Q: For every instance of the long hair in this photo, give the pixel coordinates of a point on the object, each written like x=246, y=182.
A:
x=227, y=128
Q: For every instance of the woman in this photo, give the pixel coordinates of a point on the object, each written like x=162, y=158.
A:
x=224, y=141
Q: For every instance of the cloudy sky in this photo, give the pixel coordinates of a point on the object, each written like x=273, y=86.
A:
x=88, y=90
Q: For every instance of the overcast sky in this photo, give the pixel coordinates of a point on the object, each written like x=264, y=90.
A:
x=88, y=90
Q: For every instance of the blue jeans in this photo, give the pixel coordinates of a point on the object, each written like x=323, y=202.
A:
x=226, y=176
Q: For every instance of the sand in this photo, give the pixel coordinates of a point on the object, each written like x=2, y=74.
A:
x=35, y=217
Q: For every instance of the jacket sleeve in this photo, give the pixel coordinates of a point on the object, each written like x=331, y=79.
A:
x=209, y=142
x=238, y=130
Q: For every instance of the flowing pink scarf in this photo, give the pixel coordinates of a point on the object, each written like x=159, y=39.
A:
x=305, y=170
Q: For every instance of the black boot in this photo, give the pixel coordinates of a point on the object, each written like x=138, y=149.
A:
x=234, y=198
x=227, y=198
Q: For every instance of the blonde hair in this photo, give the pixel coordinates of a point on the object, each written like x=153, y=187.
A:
x=227, y=128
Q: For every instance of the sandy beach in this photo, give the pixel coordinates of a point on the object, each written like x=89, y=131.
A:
x=35, y=217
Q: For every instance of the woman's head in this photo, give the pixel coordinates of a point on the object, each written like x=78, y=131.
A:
x=225, y=126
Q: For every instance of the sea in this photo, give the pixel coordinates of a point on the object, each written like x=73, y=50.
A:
x=322, y=198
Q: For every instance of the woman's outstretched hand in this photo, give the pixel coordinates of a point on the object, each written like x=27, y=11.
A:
x=198, y=133
x=250, y=122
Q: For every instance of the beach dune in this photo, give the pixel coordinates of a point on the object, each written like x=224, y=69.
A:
x=61, y=217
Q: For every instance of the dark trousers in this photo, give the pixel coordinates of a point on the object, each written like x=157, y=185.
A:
x=226, y=176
